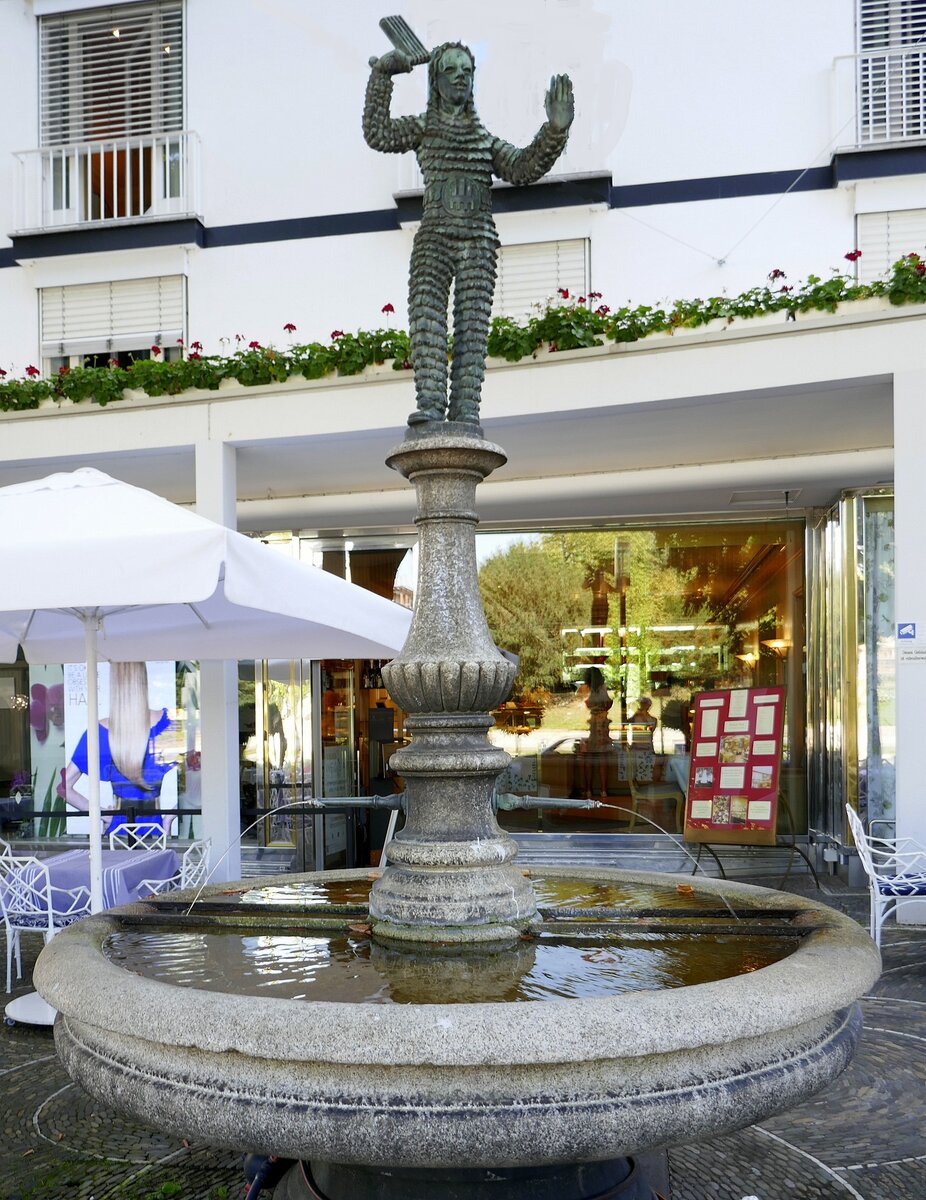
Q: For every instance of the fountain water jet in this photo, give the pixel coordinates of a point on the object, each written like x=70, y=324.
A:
x=425, y=1097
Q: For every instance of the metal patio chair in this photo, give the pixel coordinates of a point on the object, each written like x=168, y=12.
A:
x=194, y=870
x=31, y=904
x=896, y=870
x=140, y=835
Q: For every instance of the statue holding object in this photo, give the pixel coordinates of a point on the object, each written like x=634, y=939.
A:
x=457, y=241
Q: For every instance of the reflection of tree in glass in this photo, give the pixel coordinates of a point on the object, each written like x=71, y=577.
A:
x=529, y=595
x=534, y=591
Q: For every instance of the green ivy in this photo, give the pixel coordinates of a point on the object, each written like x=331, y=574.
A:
x=566, y=324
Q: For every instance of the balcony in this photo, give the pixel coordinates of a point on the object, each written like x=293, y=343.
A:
x=880, y=96
x=115, y=181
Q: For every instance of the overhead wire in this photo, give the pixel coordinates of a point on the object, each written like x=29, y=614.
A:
x=722, y=259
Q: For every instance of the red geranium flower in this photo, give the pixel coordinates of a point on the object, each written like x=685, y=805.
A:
x=336, y=333
x=786, y=289
x=155, y=350
x=2, y=372
x=179, y=341
x=196, y=345
x=388, y=308
x=32, y=371
x=289, y=327
x=854, y=255
x=194, y=355
x=602, y=310
x=595, y=295
x=777, y=273
x=64, y=370
x=253, y=345
x=114, y=362
x=564, y=292
x=920, y=268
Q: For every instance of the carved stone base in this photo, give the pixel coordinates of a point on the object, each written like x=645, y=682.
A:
x=450, y=873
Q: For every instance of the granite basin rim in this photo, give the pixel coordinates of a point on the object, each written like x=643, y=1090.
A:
x=828, y=971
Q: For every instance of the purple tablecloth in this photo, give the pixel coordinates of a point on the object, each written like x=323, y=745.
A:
x=123, y=871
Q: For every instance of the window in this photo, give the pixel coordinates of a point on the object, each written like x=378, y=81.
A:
x=111, y=112
x=892, y=70
x=91, y=323
x=532, y=273
x=883, y=237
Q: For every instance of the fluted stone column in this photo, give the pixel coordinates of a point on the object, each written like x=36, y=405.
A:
x=451, y=872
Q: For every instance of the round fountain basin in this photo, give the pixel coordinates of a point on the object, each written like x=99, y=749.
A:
x=644, y=1013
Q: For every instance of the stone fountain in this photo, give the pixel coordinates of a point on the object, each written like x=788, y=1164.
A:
x=449, y=1077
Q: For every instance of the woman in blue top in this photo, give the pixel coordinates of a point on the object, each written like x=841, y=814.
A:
x=128, y=758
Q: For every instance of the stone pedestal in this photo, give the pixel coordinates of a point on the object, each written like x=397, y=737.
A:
x=451, y=872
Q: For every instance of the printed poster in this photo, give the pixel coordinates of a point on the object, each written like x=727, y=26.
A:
x=735, y=766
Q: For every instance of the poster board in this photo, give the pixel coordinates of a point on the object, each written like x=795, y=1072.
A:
x=735, y=766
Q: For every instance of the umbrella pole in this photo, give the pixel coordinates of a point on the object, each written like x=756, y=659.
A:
x=91, y=625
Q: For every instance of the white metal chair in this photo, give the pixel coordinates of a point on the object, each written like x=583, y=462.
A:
x=138, y=836
x=896, y=870
x=194, y=870
x=32, y=905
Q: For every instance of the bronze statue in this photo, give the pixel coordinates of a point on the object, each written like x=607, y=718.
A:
x=456, y=241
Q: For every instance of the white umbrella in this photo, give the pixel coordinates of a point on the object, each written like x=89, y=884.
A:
x=94, y=567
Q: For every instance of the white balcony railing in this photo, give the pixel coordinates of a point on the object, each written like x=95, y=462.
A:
x=891, y=90
x=881, y=97
x=117, y=180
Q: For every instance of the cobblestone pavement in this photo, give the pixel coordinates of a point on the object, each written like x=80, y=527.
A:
x=863, y=1138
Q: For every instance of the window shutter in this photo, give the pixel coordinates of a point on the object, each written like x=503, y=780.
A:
x=126, y=314
x=530, y=274
x=884, y=237
x=891, y=24
x=111, y=73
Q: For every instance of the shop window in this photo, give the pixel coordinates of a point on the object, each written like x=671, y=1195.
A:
x=618, y=631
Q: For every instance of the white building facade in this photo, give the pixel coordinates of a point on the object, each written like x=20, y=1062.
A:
x=180, y=171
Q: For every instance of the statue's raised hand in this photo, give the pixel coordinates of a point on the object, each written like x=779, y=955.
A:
x=559, y=103
x=393, y=63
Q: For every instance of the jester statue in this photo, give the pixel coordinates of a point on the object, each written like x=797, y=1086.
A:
x=456, y=241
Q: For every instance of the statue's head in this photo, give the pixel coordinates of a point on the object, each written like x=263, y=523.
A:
x=451, y=69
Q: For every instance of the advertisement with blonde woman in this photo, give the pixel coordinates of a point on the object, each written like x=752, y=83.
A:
x=138, y=758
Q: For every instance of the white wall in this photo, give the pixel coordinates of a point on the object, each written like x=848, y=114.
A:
x=665, y=91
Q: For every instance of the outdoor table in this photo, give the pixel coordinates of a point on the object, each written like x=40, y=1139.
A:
x=124, y=871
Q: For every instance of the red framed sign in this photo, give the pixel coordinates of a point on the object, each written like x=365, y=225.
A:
x=735, y=765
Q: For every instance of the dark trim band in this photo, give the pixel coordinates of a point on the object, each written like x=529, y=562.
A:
x=571, y=191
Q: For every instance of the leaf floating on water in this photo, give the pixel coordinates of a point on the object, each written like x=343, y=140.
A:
x=600, y=956
x=363, y=930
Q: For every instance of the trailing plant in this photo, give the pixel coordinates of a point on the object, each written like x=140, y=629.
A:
x=563, y=323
